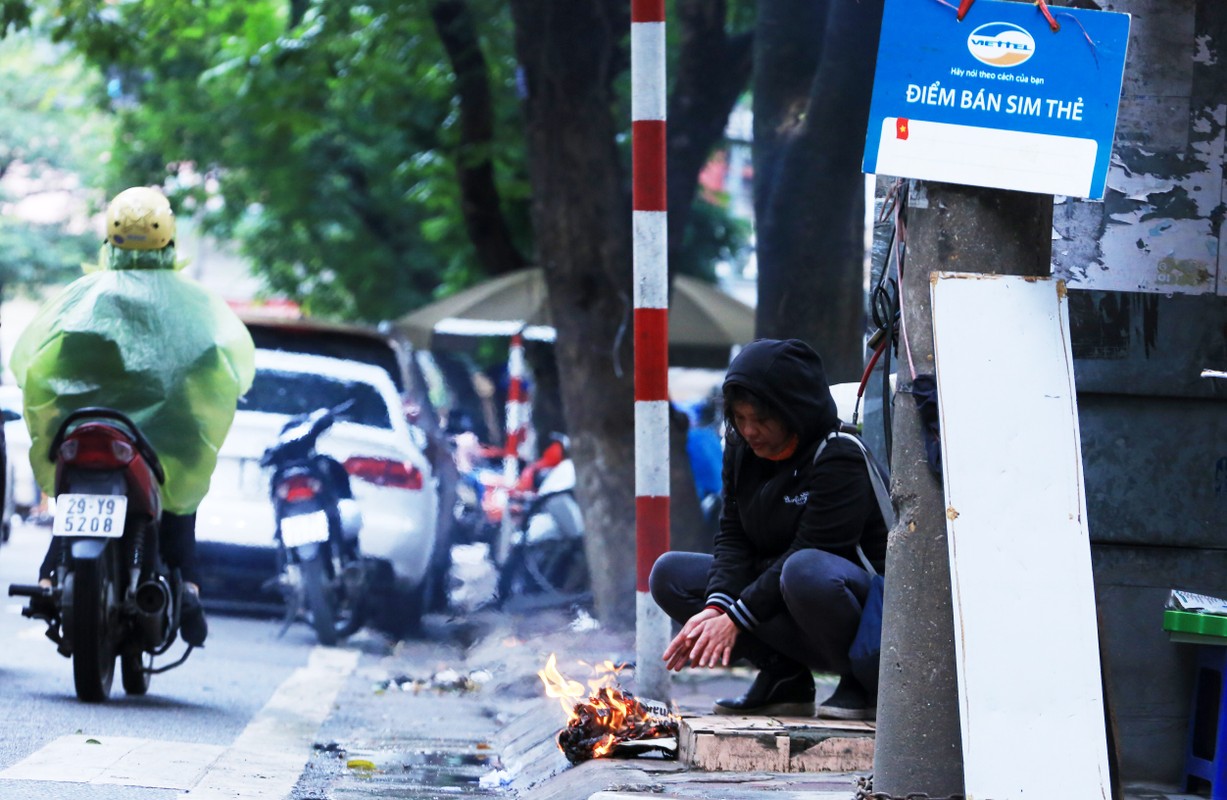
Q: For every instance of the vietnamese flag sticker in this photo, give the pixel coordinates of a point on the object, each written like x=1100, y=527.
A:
x=901, y=128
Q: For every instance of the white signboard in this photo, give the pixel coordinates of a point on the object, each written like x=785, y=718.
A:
x=1027, y=643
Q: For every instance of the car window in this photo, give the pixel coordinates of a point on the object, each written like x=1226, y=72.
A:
x=332, y=342
x=283, y=392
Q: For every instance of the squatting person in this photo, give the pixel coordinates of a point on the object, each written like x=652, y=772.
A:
x=784, y=587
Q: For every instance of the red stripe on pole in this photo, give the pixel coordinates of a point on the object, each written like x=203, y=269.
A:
x=647, y=10
x=651, y=354
x=648, y=164
x=651, y=534
x=515, y=396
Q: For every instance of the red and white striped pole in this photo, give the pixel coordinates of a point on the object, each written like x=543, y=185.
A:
x=651, y=336
x=516, y=425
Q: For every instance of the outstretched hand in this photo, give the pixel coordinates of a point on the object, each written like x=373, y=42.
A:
x=706, y=640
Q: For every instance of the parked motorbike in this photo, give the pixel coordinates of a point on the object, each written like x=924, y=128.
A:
x=322, y=575
x=481, y=490
x=113, y=594
x=546, y=557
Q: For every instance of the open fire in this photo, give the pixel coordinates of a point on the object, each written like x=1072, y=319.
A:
x=609, y=719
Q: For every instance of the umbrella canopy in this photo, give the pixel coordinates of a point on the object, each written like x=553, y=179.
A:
x=704, y=322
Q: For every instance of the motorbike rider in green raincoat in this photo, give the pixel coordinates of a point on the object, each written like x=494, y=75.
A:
x=137, y=336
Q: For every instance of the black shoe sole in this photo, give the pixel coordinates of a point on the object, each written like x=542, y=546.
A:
x=769, y=710
x=836, y=712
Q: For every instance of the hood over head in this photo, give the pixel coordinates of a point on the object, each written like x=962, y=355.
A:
x=787, y=374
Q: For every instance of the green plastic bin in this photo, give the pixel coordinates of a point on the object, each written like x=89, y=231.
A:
x=1195, y=627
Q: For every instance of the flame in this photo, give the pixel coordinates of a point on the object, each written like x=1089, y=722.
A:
x=607, y=717
x=604, y=675
x=604, y=746
x=558, y=685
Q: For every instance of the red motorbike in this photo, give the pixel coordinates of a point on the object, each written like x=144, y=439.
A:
x=113, y=594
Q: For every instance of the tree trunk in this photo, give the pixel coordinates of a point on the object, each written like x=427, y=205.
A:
x=570, y=54
x=546, y=392
x=479, y=195
x=967, y=229
x=712, y=71
x=811, y=105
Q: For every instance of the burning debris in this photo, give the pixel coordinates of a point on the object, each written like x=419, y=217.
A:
x=611, y=721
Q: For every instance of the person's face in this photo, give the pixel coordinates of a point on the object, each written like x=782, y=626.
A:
x=766, y=436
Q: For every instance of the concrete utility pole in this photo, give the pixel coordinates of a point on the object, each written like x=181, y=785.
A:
x=961, y=229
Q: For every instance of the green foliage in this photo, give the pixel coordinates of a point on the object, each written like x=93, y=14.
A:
x=50, y=118
x=326, y=149
x=325, y=146
x=32, y=254
x=52, y=145
x=714, y=235
x=14, y=15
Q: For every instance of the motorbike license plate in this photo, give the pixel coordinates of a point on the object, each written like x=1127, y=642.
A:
x=304, y=529
x=100, y=515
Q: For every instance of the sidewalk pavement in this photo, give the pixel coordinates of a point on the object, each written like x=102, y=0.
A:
x=515, y=648
x=505, y=653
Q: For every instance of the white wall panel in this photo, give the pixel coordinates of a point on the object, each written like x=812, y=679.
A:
x=1026, y=639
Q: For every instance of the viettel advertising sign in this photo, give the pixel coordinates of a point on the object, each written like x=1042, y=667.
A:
x=999, y=99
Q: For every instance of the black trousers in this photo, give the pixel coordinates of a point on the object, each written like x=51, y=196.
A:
x=178, y=542
x=823, y=597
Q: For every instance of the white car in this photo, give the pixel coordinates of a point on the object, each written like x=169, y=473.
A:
x=22, y=495
x=390, y=477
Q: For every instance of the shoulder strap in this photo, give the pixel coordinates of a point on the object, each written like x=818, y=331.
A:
x=880, y=490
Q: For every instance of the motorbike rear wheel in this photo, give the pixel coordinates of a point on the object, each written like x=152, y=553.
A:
x=133, y=672
x=560, y=569
x=554, y=572
x=548, y=558
x=351, y=600
x=318, y=595
x=336, y=609
x=93, y=617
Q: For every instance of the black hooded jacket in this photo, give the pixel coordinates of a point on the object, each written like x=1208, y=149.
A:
x=775, y=508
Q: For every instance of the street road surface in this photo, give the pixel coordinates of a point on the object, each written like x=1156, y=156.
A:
x=243, y=717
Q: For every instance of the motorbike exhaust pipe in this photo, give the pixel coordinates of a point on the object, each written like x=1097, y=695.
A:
x=153, y=611
x=153, y=597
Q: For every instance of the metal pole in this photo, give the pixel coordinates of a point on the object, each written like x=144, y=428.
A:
x=651, y=294
x=516, y=420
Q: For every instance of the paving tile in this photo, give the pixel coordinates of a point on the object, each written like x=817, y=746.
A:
x=720, y=743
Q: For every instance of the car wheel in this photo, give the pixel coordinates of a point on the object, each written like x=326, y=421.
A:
x=403, y=618
x=396, y=607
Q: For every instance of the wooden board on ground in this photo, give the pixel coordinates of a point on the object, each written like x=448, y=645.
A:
x=775, y=744
x=1026, y=643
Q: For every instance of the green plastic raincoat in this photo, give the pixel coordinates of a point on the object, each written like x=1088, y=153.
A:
x=138, y=337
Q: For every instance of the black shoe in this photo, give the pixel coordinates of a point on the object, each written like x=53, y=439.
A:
x=192, y=625
x=787, y=695
x=850, y=701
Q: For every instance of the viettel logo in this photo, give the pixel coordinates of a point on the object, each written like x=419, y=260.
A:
x=1000, y=44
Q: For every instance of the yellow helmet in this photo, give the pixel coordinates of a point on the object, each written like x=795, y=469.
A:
x=140, y=219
